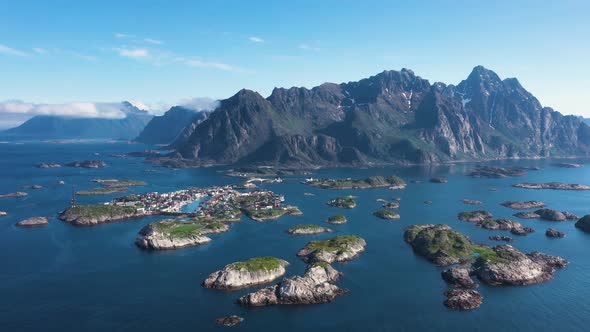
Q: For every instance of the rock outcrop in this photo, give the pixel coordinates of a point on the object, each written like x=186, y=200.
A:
x=337, y=249
x=471, y=201
x=48, y=165
x=482, y=171
x=439, y=244
x=463, y=299
x=508, y=266
x=229, y=321
x=255, y=271
x=439, y=180
x=501, y=238
x=33, y=222
x=553, y=233
x=459, y=277
x=523, y=205
x=87, y=164
x=475, y=216
x=308, y=229
x=172, y=234
x=584, y=223
x=315, y=286
x=90, y=215
x=552, y=185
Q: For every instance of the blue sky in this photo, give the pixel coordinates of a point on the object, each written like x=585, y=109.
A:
x=165, y=52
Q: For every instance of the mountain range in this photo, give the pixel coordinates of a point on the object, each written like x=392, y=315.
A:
x=392, y=117
x=171, y=126
x=54, y=126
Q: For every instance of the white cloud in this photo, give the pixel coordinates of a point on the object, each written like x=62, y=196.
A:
x=255, y=39
x=11, y=51
x=39, y=50
x=196, y=62
x=123, y=35
x=133, y=53
x=153, y=41
x=74, y=109
x=199, y=104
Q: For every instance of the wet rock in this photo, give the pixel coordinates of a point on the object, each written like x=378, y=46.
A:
x=458, y=277
x=522, y=231
x=527, y=215
x=48, y=165
x=495, y=172
x=391, y=205
x=553, y=233
x=16, y=194
x=34, y=186
x=87, y=164
x=570, y=216
x=3, y=214
x=550, y=215
x=439, y=180
x=567, y=165
x=463, y=299
x=428, y=202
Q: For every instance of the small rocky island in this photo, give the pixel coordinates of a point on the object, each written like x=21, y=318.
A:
x=553, y=233
x=171, y=234
x=343, y=202
x=500, y=238
x=474, y=216
x=547, y=214
x=552, y=185
x=439, y=180
x=308, y=229
x=337, y=249
x=337, y=219
x=499, y=265
x=505, y=224
x=48, y=165
x=87, y=164
x=386, y=214
x=567, y=165
x=584, y=223
x=471, y=202
x=3, y=214
x=255, y=271
x=496, y=172
x=315, y=286
x=33, y=222
x=523, y=205
x=16, y=194
x=229, y=321
x=89, y=215
x=391, y=182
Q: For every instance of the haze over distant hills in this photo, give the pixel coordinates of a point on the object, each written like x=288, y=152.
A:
x=392, y=117
x=55, y=126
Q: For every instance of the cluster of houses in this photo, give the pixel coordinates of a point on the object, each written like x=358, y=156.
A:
x=154, y=202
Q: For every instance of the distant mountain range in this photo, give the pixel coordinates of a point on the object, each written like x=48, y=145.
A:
x=392, y=117
x=52, y=126
x=169, y=127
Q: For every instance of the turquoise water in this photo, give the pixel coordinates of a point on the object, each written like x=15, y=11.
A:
x=65, y=278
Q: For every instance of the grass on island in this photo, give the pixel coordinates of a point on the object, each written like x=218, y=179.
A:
x=346, y=202
x=182, y=228
x=335, y=244
x=99, y=210
x=370, y=182
x=256, y=264
x=124, y=183
x=386, y=214
x=430, y=242
x=102, y=191
x=337, y=218
x=304, y=226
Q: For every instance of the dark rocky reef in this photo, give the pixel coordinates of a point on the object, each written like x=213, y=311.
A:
x=463, y=299
x=475, y=216
x=523, y=205
x=459, y=276
x=229, y=321
x=584, y=223
x=553, y=233
x=499, y=172
x=501, y=238
x=439, y=180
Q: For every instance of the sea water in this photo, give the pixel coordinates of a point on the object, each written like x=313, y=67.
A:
x=66, y=278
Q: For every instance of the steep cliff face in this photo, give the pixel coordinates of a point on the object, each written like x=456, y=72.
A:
x=166, y=128
x=392, y=117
